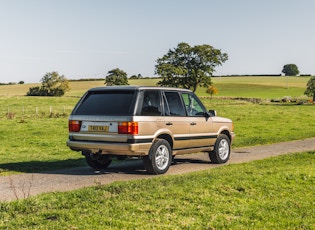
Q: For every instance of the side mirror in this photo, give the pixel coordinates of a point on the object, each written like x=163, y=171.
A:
x=212, y=113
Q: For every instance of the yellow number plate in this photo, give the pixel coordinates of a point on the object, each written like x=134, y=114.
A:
x=97, y=128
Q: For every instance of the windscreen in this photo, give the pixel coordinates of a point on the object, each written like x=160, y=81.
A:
x=106, y=103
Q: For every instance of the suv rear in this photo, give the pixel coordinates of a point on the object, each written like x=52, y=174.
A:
x=153, y=123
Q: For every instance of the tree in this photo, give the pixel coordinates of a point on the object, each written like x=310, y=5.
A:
x=212, y=90
x=53, y=84
x=189, y=67
x=139, y=76
x=116, y=77
x=310, y=90
x=290, y=70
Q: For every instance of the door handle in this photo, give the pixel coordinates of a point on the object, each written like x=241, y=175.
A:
x=169, y=123
x=193, y=123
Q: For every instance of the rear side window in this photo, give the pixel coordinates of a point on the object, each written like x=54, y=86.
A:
x=175, y=105
x=106, y=103
x=151, y=105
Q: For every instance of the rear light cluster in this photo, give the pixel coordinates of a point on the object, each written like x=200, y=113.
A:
x=123, y=127
x=74, y=126
x=128, y=127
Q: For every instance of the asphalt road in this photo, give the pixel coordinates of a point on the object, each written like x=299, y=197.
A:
x=25, y=185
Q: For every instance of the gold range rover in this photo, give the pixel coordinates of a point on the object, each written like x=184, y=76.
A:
x=152, y=123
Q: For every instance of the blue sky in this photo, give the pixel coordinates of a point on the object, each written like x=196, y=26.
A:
x=85, y=39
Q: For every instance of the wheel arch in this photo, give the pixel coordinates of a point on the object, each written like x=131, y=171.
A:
x=166, y=137
x=227, y=133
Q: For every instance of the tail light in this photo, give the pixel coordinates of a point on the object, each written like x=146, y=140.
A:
x=74, y=126
x=128, y=127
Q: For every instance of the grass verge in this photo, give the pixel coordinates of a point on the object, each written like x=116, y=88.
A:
x=275, y=193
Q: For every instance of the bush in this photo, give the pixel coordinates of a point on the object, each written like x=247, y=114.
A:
x=36, y=91
x=52, y=85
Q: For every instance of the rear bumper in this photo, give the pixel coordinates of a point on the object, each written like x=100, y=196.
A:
x=125, y=149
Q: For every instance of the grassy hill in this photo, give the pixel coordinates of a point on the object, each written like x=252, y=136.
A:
x=257, y=87
x=261, y=87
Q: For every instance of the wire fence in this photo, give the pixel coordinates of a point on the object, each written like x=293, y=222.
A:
x=13, y=112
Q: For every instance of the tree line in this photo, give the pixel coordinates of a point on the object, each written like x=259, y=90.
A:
x=184, y=66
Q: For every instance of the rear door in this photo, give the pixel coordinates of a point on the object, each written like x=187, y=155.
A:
x=100, y=113
x=176, y=119
x=149, y=114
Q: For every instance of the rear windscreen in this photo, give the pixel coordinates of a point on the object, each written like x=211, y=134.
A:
x=106, y=103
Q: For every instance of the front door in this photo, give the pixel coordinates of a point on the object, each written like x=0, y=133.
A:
x=200, y=125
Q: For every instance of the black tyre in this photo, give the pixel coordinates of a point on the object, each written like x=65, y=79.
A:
x=97, y=161
x=222, y=150
x=160, y=157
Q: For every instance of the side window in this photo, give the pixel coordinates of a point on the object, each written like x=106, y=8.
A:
x=175, y=105
x=193, y=105
x=151, y=104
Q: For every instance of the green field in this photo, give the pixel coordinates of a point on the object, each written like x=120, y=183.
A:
x=259, y=87
x=35, y=142
x=276, y=193
x=34, y=135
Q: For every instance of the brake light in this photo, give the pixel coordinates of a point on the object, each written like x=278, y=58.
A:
x=128, y=127
x=74, y=126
